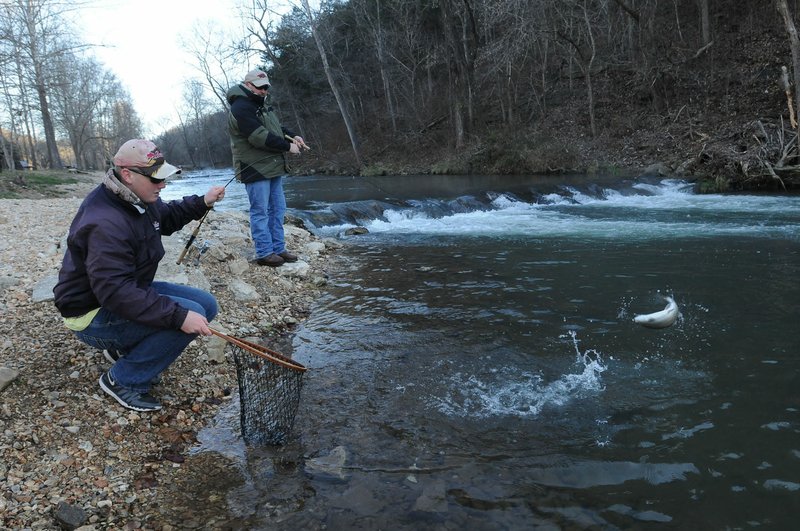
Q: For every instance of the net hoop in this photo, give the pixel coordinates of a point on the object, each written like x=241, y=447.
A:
x=262, y=351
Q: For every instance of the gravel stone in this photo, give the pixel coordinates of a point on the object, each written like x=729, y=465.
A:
x=68, y=449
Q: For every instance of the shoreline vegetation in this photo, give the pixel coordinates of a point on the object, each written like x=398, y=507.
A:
x=70, y=457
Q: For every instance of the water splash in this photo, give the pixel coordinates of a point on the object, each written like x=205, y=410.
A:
x=508, y=391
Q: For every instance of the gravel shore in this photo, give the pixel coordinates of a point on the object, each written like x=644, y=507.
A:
x=70, y=457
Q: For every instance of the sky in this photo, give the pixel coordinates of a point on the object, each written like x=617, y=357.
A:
x=140, y=43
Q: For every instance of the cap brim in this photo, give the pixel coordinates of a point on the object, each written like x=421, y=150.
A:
x=165, y=171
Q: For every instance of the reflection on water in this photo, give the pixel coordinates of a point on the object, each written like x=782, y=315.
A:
x=477, y=365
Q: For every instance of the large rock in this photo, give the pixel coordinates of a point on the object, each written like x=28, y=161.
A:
x=242, y=291
x=313, y=248
x=433, y=498
x=299, y=269
x=7, y=282
x=329, y=465
x=43, y=290
x=7, y=376
x=69, y=516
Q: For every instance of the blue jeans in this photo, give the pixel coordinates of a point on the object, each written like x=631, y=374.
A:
x=267, y=208
x=146, y=350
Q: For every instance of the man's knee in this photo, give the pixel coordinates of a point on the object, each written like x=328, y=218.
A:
x=213, y=309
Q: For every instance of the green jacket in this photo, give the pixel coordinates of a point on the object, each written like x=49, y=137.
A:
x=257, y=137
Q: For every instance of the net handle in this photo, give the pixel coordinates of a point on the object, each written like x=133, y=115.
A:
x=262, y=351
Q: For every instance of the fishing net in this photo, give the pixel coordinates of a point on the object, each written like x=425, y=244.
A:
x=269, y=391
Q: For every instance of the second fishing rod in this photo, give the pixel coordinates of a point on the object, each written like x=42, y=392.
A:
x=193, y=236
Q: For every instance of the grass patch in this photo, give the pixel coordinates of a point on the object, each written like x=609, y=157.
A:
x=23, y=184
x=452, y=166
x=716, y=185
x=374, y=170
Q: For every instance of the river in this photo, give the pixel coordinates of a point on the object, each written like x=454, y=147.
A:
x=476, y=365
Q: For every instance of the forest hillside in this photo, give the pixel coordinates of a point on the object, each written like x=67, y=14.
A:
x=718, y=113
x=705, y=89
x=690, y=87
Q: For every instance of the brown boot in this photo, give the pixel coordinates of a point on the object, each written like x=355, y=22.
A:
x=271, y=260
x=288, y=257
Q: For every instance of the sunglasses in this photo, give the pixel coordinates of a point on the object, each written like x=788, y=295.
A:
x=152, y=179
x=262, y=87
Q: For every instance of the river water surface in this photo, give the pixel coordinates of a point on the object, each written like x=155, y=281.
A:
x=475, y=364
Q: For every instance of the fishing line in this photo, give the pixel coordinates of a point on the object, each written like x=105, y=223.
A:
x=375, y=186
x=193, y=236
x=197, y=229
x=381, y=190
x=202, y=219
x=235, y=175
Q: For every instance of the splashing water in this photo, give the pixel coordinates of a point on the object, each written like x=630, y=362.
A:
x=520, y=393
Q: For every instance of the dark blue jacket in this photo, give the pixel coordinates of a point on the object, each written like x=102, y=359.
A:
x=112, y=255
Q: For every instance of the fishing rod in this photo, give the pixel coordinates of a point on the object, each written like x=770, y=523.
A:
x=306, y=146
x=197, y=229
x=291, y=139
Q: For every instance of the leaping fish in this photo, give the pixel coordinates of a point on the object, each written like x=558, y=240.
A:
x=662, y=319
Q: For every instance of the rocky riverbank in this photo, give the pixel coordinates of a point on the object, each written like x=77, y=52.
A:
x=70, y=457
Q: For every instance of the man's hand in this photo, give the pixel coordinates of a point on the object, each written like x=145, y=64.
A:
x=295, y=143
x=214, y=194
x=298, y=140
x=195, y=324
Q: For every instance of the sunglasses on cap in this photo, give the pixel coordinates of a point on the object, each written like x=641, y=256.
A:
x=143, y=173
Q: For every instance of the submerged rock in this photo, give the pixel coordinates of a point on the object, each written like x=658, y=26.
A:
x=331, y=464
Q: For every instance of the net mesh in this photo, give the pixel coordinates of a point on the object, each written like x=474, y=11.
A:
x=269, y=391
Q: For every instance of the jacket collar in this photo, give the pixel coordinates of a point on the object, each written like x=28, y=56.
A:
x=112, y=183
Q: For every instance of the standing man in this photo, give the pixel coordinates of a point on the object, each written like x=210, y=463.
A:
x=259, y=143
x=105, y=290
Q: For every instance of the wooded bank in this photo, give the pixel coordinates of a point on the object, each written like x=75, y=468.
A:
x=707, y=89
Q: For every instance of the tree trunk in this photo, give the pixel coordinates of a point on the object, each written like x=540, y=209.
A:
x=8, y=147
x=387, y=86
x=794, y=44
x=53, y=156
x=334, y=87
x=8, y=152
x=705, y=23
x=588, y=73
x=458, y=69
x=38, y=58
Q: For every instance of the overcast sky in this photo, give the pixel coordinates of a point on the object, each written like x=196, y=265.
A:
x=141, y=46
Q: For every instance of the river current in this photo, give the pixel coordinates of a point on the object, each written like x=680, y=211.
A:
x=475, y=365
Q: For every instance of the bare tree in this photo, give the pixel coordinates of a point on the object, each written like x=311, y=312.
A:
x=373, y=24
x=215, y=57
x=414, y=56
x=514, y=57
x=47, y=86
x=794, y=45
x=578, y=32
x=38, y=27
x=705, y=22
x=192, y=117
x=461, y=40
x=85, y=85
x=354, y=142
x=15, y=87
x=588, y=70
x=119, y=124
